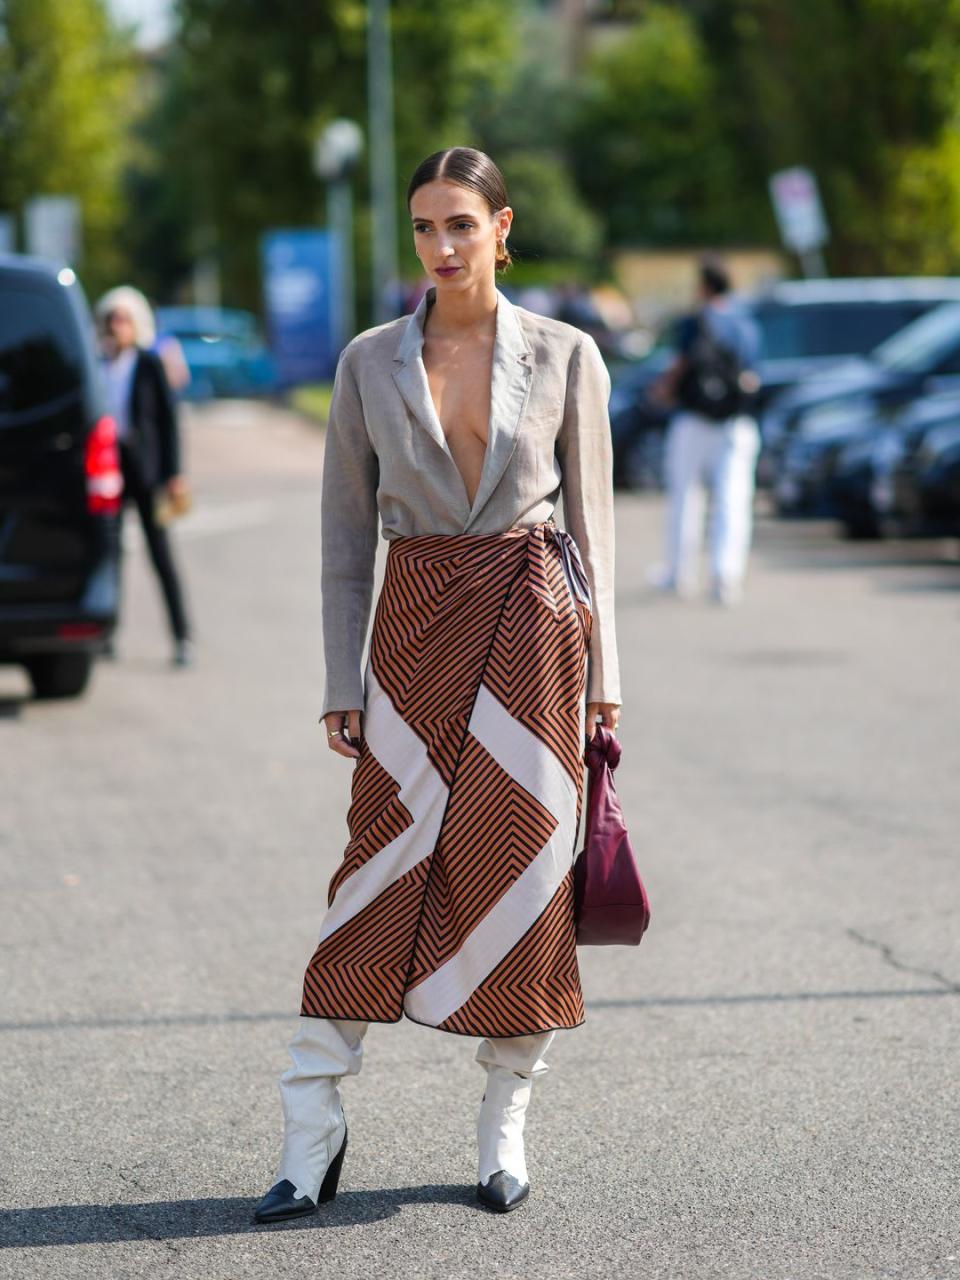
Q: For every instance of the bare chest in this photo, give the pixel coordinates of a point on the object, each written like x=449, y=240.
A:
x=459, y=380
x=460, y=388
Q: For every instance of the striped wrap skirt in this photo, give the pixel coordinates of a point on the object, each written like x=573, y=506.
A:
x=453, y=904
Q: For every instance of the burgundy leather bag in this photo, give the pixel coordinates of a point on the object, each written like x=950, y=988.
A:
x=610, y=902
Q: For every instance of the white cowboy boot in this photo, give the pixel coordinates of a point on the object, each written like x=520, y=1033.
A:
x=503, y=1182
x=315, y=1130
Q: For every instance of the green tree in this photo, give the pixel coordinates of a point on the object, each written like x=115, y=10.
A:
x=646, y=146
x=921, y=224
x=866, y=94
x=65, y=86
x=249, y=86
x=524, y=127
x=551, y=222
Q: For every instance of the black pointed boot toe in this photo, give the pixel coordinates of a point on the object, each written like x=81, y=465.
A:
x=282, y=1202
x=502, y=1192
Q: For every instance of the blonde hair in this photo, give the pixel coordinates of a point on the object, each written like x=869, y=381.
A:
x=132, y=301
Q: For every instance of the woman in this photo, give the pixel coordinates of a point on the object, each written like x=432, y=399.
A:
x=458, y=426
x=142, y=406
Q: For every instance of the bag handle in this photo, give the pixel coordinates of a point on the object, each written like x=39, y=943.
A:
x=603, y=748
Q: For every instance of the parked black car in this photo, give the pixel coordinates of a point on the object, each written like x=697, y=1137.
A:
x=925, y=483
x=921, y=360
x=860, y=481
x=60, y=481
x=807, y=329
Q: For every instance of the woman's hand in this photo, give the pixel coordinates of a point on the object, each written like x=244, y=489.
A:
x=338, y=740
x=607, y=712
x=177, y=486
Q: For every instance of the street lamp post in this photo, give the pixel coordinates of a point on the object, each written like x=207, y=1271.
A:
x=382, y=166
x=335, y=154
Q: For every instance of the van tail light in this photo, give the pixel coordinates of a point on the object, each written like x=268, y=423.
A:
x=102, y=466
x=80, y=630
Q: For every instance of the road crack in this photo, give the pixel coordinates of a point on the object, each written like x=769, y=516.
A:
x=888, y=956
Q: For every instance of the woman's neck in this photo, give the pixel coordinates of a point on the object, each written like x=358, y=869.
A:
x=454, y=314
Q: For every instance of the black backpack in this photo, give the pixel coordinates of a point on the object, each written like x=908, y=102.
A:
x=714, y=382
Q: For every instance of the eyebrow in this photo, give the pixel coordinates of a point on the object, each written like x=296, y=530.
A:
x=453, y=218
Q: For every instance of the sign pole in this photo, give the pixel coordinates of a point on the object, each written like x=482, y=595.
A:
x=340, y=219
x=814, y=267
x=336, y=150
x=382, y=175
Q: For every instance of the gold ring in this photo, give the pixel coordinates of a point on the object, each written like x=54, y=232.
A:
x=335, y=733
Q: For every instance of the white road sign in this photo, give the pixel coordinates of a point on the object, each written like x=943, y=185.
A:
x=53, y=228
x=800, y=216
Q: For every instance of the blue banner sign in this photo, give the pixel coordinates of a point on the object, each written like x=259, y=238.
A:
x=302, y=296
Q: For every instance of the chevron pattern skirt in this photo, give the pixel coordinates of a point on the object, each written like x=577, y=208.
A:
x=453, y=904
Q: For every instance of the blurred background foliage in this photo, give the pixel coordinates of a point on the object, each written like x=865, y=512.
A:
x=661, y=129
x=645, y=142
x=67, y=76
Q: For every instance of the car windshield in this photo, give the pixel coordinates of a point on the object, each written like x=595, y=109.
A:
x=40, y=357
x=830, y=328
x=923, y=344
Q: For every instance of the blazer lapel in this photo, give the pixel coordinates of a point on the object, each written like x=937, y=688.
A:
x=509, y=387
x=410, y=373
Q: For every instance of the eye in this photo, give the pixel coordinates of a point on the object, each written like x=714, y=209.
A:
x=468, y=225
x=419, y=226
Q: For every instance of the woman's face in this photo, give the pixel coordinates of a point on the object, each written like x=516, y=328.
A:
x=120, y=328
x=455, y=234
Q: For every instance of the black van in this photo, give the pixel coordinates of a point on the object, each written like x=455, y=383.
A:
x=60, y=481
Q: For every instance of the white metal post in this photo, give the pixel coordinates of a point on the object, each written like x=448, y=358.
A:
x=382, y=161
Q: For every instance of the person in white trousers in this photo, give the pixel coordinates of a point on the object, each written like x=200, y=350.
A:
x=706, y=453
x=324, y=1050
x=722, y=457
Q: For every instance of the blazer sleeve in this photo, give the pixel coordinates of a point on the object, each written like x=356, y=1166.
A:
x=585, y=451
x=349, y=531
x=168, y=429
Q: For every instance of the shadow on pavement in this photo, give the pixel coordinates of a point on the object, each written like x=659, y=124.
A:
x=71, y=1224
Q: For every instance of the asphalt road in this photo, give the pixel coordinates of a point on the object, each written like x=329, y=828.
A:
x=766, y=1089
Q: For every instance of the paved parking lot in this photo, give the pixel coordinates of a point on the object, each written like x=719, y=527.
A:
x=766, y=1089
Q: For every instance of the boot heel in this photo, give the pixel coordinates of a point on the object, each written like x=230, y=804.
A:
x=328, y=1188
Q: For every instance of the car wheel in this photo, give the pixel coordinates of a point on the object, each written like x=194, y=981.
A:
x=59, y=675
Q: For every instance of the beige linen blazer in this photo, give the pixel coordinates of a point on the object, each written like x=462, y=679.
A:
x=386, y=456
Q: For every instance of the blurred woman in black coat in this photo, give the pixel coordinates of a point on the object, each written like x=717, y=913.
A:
x=142, y=404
